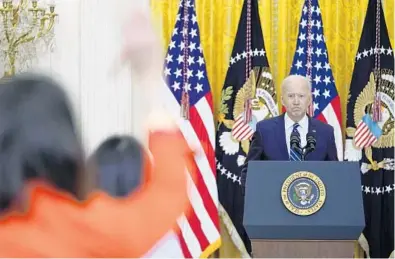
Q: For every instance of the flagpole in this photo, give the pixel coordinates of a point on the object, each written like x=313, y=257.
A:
x=185, y=94
x=310, y=110
x=377, y=73
x=247, y=101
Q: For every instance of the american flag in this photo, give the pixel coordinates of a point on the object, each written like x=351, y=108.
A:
x=188, y=94
x=311, y=60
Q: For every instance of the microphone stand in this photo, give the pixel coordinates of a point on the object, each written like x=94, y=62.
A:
x=310, y=145
x=305, y=152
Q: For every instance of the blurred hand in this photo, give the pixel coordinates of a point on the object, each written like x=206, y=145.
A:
x=142, y=50
x=160, y=120
x=141, y=47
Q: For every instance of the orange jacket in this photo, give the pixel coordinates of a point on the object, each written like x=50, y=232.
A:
x=56, y=225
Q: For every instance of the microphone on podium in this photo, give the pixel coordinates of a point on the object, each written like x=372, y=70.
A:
x=311, y=143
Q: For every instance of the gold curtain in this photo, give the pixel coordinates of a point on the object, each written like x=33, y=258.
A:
x=218, y=20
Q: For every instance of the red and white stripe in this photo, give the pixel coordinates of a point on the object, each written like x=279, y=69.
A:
x=363, y=136
x=200, y=230
x=332, y=116
x=241, y=130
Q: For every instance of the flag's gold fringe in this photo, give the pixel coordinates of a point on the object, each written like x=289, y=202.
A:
x=358, y=251
x=364, y=244
x=211, y=249
x=234, y=235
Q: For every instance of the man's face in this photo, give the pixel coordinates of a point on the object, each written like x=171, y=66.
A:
x=296, y=98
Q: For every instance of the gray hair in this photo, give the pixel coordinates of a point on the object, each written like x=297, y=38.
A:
x=289, y=79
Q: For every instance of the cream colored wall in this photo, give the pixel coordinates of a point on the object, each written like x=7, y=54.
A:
x=88, y=41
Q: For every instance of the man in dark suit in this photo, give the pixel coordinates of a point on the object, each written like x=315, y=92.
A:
x=284, y=136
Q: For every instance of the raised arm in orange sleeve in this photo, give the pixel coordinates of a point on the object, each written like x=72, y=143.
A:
x=164, y=197
x=153, y=210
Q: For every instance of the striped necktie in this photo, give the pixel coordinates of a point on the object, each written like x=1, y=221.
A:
x=293, y=154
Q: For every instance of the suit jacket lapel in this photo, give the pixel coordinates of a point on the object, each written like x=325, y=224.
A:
x=311, y=126
x=281, y=138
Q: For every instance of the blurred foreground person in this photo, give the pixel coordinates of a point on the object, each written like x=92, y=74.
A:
x=45, y=191
x=119, y=165
x=42, y=178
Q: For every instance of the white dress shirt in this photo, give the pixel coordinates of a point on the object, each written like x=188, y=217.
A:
x=303, y=130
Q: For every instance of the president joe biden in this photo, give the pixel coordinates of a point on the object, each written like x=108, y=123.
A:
x=292, y=136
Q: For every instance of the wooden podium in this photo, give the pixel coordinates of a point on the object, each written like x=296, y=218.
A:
x=262, y=248
x=278, y=228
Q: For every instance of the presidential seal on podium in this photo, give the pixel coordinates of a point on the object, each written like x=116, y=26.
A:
x=303, y=193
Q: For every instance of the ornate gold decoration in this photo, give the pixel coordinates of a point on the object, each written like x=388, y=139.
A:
x=375, y=166
x=23, y=24
x=245, y=93
x=366, y=98
x=245, y=145
x=259, y=87
x=224, y=109
x=363, y=105
x=303, y=193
